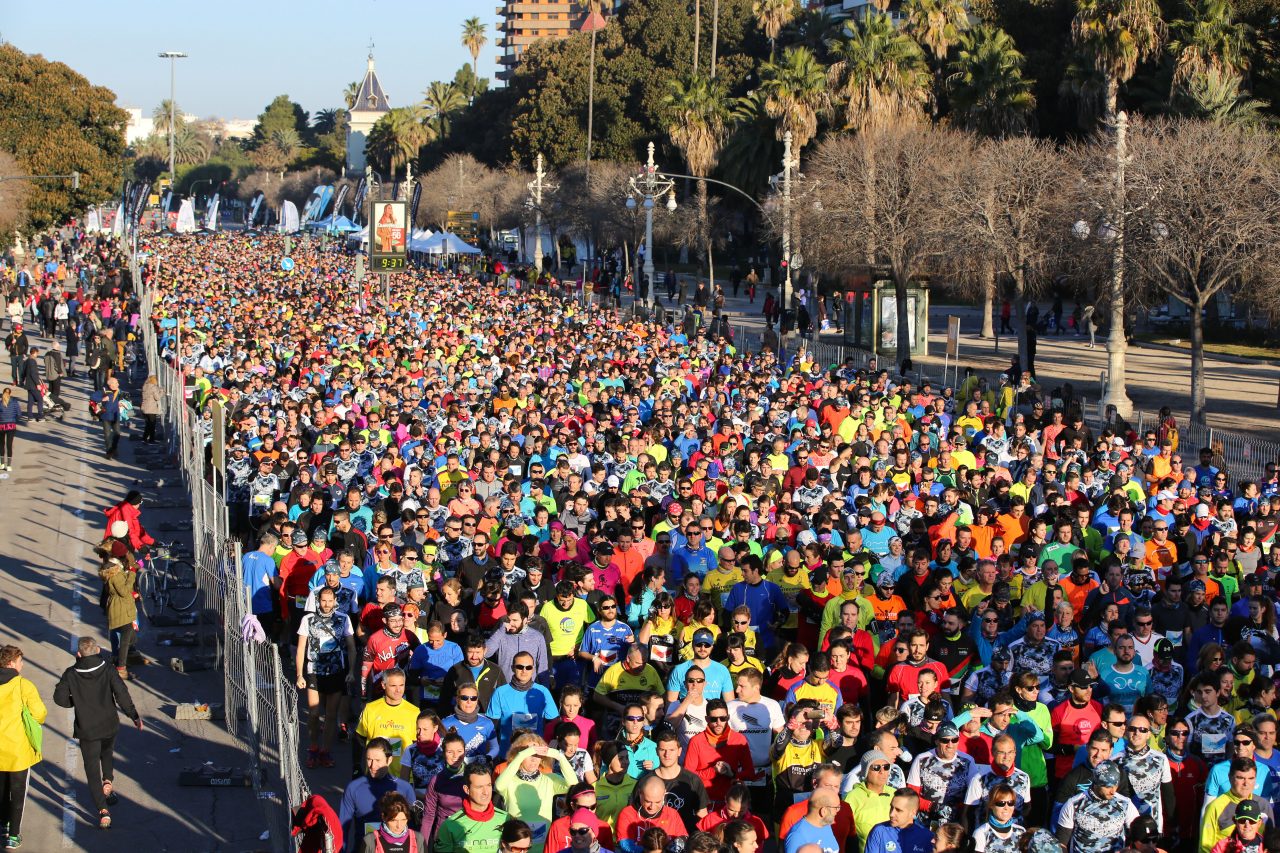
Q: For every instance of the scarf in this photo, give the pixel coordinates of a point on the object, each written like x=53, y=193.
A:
x=528, y=777
x=479, y=815
x=390, y=837
x=525, y=689
x=467, y=718
x=999, y=824
x=1023, y=704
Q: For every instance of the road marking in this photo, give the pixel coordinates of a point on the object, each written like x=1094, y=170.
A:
x=72, y=755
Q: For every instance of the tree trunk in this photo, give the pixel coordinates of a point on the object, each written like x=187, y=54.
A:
x=1198, y=414
x=704, y=226
x=697, y=32
x=988, y=301
x=591, y=103
x=1112, y=97
x=715, y=34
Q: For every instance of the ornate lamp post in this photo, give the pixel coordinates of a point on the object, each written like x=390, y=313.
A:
x=647, y=186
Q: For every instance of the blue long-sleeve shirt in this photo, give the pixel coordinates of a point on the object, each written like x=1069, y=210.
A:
x=985, y=647
x=360, y=806
x=886, y=838
x=767, y=603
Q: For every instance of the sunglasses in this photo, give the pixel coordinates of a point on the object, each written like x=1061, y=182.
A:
x=948, y=740
x=634, y=719
x=580, y=830
x=878, y=768
x=1242, y=743
x=742, y=621
x=1180, y=733
x=1142, y=730
x=1004, y=804
x=696, y=681
x=717, y=719
x=468, y=698
x=521, y=667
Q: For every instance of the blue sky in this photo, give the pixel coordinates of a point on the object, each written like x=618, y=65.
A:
x=242, y=54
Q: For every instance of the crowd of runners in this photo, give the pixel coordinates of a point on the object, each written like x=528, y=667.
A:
x=551, y=578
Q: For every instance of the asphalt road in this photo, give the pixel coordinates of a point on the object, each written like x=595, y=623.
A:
x=52, y=504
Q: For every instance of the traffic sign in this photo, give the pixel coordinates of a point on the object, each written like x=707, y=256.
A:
x=286, y=264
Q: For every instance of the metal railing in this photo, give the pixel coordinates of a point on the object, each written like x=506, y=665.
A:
x=260, y=702
x=1244, y=457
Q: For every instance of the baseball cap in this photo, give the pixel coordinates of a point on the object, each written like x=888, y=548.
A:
x=1106, y=775
x=299, y=538
x=674, y=508
x=947, y=729
x=1080, y=678
x=703, y=636
x=604, y=549
x=1248, y=810
x=612, y=482
x=1002, y=592
x=1163, y=648
x=1202, y=511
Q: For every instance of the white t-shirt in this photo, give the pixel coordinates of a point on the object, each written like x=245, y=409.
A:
x=757, y=722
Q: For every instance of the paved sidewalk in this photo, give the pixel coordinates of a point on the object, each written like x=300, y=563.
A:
x=52, y=503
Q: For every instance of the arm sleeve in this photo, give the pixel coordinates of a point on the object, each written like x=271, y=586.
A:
x=1067, y=822
x=62, y=693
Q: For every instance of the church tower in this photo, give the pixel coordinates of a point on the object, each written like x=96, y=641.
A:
x=371, y=105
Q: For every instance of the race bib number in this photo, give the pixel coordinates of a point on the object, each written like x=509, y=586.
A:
x=397, y=746
x=1174, y=637
x=1213, y=744
x=521, y=720
x=262, y=500
x=300, y=601
x=661, y=654
x=724, y=599
x=608, y=656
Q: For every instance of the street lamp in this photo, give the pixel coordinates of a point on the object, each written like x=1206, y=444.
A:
x=173, y=56
x=783, y=178
x=1111, y=230
x=647, y=186
x=536, y=188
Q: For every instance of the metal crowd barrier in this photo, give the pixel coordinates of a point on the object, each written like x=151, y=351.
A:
x=261, y=703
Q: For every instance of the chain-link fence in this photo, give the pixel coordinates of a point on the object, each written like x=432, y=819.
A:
x=260, y=703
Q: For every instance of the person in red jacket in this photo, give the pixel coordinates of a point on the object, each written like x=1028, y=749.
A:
x=1189, y=775
x=719, y=755
x=128, y=511
x=650, y=810
x=1073, y=722
x=737, y=806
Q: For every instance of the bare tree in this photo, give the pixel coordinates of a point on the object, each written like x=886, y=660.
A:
x=1012, y=204
x=888, y=187
x=1206, y=202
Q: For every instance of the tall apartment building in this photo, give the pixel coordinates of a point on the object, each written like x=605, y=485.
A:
x=527, y=21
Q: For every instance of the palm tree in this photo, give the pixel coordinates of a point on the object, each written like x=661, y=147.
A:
x=697, y=120
x=1209, y=38
x=988, y=93
x=751, y=150
x=325, y=121
x=441, y=100
x=1215, y=94
x=190, y=146
x=474, y=39
x=1116, y=35
x=350, y=93
x=396, y=138
x=936, y=25
x=697, y=32
x=879, y=74
x=771, y=16
x=160, y=117
x=795, y=91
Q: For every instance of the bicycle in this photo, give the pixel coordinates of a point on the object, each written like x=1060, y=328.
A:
x=165, y=580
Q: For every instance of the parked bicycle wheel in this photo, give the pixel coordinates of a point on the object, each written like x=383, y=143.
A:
x=148, y=593
x=182, y=585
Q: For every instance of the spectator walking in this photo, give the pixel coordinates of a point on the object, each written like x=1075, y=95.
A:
x=18, y=754
x=95, y=692
x=122, y=611
x=55, y=370
x=10, y=413
x=150, y=408
x=29, y=379
x=106, y=405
